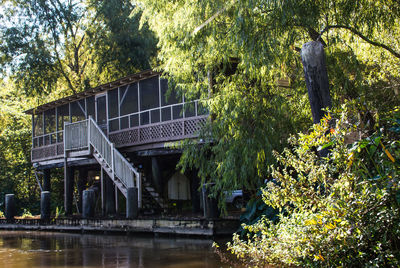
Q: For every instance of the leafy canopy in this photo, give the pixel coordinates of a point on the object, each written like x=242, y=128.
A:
x=235, y=53
x=68, y=46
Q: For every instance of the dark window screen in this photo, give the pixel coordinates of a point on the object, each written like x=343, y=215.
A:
x=166, y=114
x=144, y=118
x=168, y=97
x=101, y=110
x=50, y=121
x=113, y=125
x=149, y=93
x=113, y=103
x=124, y=122
x=78, y=111
x=63, y=116
x=38, y=124
x=177, y=111
x=90, y=107
x=128, y=96
x=134, y=120
x=155, y=116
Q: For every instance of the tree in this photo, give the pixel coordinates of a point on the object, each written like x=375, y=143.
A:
x=68, y=46
x=238, y=51
x=16, y=174
x=339, y=210
x=121, y=46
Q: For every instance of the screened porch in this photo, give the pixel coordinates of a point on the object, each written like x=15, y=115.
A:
x=131, y=112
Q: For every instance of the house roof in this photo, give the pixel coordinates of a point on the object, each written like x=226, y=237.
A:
x=93, y=91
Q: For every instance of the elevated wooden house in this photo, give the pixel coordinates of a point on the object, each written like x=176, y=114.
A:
x=116, y=136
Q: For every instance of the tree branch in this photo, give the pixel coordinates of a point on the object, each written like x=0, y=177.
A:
x=363, y=37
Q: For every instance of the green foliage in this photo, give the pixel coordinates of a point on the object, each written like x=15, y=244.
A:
x=340, y=210
x=235, y=53
x=58, y=213
x=256, y=209
x=121, y=46
x=26, y=214
x=16, y=174
x=64, y=47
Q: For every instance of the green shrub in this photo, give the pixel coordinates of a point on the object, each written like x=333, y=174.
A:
x=340, y=210
x=26, y=214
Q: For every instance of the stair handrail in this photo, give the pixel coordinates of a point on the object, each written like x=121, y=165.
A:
x=90, y=134
x=113, y=151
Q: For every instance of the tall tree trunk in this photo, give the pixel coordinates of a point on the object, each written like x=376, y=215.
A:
x=316, y=75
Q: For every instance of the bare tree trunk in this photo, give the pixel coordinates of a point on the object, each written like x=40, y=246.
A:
x=316, y=75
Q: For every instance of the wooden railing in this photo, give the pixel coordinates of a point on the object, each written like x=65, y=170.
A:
x=76, y=135
x=81, y=135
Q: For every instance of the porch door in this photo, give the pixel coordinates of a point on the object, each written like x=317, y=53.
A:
x=101, y=112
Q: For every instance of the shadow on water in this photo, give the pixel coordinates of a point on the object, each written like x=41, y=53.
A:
x=40, y=249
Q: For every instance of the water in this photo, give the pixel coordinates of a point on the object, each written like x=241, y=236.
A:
x=40, y=249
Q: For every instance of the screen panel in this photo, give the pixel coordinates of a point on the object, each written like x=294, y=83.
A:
x=149, y=93
x=128, y=96
x=113, y=103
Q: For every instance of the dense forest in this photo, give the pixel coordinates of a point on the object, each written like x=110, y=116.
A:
x=339, y=208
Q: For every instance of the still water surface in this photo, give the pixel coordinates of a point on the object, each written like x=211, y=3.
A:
x=39, y=249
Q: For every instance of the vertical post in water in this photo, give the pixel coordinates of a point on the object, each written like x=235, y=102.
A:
x=316, y=75
x=45, y=205
x=132, y=208
x=9, y=206
x=89, y=202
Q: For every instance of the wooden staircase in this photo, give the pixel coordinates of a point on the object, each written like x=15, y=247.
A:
x=109, y=172
x=87, y=136
x=152, y=193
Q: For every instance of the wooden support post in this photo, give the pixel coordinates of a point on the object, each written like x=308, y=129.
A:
x=316, y=75
x=9, y=206
x=211, y=210
x=156, y=174
x=132, y=206
x=194, y=189
x=109, y=196
x=116, y=199
x=46, y=180
x=82, y=180
x=45, y=205
x=89, y=202
x=103, y=207
x=68, y=188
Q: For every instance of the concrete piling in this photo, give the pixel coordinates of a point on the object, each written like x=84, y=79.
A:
x=9, y=206
x=132, y=208
x=45, y=205
x=88, y=204
x=211, y=210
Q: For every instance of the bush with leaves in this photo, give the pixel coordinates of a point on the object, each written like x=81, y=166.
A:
x=340, y=210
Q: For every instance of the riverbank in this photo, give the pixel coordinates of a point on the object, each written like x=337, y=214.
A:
x=168, y=226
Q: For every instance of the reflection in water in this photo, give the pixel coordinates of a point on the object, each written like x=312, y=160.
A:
x=38, y=249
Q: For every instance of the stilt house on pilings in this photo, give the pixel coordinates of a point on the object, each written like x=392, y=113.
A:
x=113, y=137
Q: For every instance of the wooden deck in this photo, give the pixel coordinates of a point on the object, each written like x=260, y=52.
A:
x=134, y=137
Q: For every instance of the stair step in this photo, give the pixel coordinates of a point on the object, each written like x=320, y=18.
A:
x=154, y=194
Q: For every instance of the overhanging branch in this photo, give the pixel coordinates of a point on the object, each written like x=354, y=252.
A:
x=363, y=37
